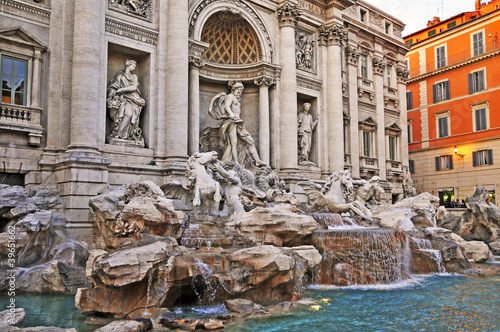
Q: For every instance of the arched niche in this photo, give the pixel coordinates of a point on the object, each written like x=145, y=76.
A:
x=207, y=8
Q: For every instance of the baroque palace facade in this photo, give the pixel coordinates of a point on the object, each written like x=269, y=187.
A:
x=78, y=113
x=452, y=106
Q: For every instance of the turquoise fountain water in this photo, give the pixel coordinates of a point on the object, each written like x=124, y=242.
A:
x=434, y=303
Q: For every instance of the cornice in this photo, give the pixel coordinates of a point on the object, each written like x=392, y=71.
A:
x=26, y=7
x=243, y=73
x=131, y=31
x=453, y=67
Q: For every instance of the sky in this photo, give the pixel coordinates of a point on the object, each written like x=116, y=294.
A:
x=416, y=13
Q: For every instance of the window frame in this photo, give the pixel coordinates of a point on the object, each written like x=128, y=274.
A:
x=363, y=15
x=25, y=78
x=441, y=91
x=482, y=157
x=441, y=63
x=363, y=58
x=369, y=148
x=477, y=107
x=393, y=148
x=409, y=100
x=439, y=116
x=444, y=162
x=477, y=80
x=482, y=47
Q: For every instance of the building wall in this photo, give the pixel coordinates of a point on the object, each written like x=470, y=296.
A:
x=426, y=144
x=80, y=45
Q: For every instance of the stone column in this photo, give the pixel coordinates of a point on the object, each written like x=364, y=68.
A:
x=335, y=114
x=177, y=86
x=264, y=120
x=194, y=103
x=87, y=52
x=402, y=74
x=288, y=15
x=37, y=74
x=352, y=68
x=379, y=65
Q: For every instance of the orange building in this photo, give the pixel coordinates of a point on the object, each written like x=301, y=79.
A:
x=453, y=99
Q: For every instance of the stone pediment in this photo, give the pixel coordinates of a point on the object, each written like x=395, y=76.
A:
x=393, y=128
x=19, y=36
x=368, y=121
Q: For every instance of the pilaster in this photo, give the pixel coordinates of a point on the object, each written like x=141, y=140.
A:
x=333, y=37
x=352, y=55
x=379, y=65
x=288, y=16
x=264, y=117
x=177, y=85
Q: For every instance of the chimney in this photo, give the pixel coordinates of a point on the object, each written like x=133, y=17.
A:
x=435, y=21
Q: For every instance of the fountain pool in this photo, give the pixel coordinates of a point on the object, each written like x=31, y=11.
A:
x=431, y=303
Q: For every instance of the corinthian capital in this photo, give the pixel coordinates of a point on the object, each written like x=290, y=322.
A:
x=264, y=81
x=332, y=35
x=288, y=14
x=196, y=62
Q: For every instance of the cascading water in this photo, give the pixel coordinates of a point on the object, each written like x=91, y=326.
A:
x=208, y=287
x=362, y=256
x=425, y=246
x=150, y=281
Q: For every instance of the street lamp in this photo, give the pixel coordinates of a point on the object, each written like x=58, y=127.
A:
x=456, y=152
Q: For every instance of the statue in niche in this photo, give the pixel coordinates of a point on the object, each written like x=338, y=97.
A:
x=304, y=49
x=238, y=143
x=125, y=104
x=306, y=126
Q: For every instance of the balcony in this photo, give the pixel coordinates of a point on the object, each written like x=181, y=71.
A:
x=22, y=119
x=455, y=58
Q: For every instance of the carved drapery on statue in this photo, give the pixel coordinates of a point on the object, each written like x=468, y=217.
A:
x=239, y=145
x=306, y=126
x=125, y=104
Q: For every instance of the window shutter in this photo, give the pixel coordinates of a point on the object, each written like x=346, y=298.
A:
x=474, y=158
x=471, y=83
x=478, y=120
x=434, y=93
x=409, y=100
x=490, y=157
x=481, y=80
x=437, y=164
x=447, y=85
x=450, y=162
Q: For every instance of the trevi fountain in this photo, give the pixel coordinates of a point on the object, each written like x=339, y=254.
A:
x=231, y=247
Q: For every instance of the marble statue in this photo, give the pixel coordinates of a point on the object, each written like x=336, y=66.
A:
x=367, y=194
x=201, y=189
x=125, y=103
x=335, y=195
x=233, y=190
x=238, y=143
x=408, y=188
x=306, y=126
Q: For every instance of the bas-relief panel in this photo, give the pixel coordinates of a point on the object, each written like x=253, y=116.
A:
x=305, y=51
x=136, y=8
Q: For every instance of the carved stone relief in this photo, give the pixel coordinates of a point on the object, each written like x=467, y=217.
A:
x=139, y=8
x=305, y=51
